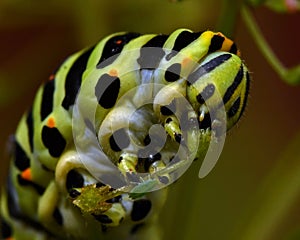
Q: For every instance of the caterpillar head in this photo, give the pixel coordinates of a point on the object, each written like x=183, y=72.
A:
x=222, y=79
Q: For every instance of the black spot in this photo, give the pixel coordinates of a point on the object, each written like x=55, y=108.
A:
x=216, y=43
x=113, y=47
x=172, y=74
x=178, y=137
x=99, y=184
x=24, y=182
x=107, y=90
x=74, y=77
x=74, y=193
x=103, y=218
x=236, y=82
x=164, y=110
x=5, y=228
x=22, y=162
x=136, y=227
x=53, y=140
x=206, y=122
x=146, y=162
x=74, y=180
x=115, y=199
x=47, y=99
x=233, y=49
x=29, y=122
x=119, y=140
x=207, y=67
x=140, y=209
x=163, y=179
x=151, y=53
x=168, y=120
x=234, y=108
x=168, y=110
x=182, y=40
x=147, y=140
x=207, y=92
x=57, y=216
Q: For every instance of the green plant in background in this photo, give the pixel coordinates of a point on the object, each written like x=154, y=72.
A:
x=228, y=19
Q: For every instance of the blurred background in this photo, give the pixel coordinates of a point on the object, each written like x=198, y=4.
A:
x=253, y=193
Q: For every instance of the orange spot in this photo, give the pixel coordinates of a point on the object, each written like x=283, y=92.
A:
x=227, y=44
x=51, y=122
x=9, y=238
x=185, y=62
x=51, y=77
x=118, y=42
x=113, y=72
x=26, y=174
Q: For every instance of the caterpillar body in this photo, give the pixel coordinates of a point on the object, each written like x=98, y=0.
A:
x=133, y=100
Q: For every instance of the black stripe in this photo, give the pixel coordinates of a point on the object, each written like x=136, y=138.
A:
x=113, y=47
x=151, y=52
x=207, y=67
x=21, y=160
x=237, y=80
x=246, y=93
x=15, y=211
x=74, y=78
x=47, y=99
x=24, y=182
x=216, y=43
x=29, y=122
x=234, y=108
x=12, y=204
x=182, y=40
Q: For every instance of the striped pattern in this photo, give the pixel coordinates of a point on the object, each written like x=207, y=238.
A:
x=44, y=141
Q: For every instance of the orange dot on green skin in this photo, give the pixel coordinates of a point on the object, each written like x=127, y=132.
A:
x=51, y=122
x=113, y=72
x=26, y=174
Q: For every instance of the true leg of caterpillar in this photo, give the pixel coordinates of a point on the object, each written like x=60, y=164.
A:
x=172, y=127
x=97, y=199
x=127, y=163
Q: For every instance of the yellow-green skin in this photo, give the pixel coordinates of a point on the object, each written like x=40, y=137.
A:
x=43, y=174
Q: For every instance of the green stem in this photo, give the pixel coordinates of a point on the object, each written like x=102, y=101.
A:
x=291, y=76
x=228, y=16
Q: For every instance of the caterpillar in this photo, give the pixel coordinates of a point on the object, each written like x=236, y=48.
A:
x=113, y=122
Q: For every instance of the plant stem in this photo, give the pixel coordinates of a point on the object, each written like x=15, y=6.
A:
x=290, y=76
x=229, y=13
